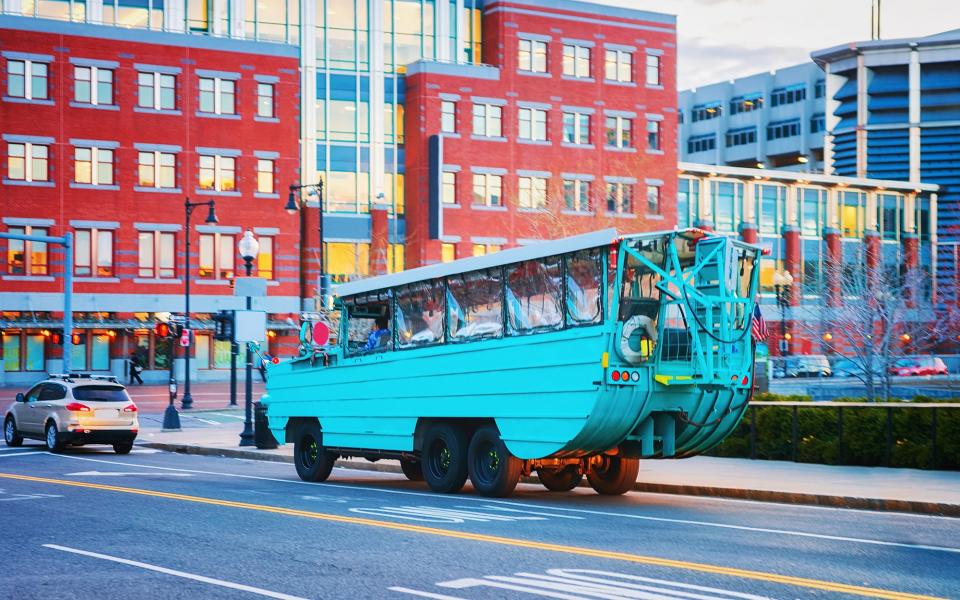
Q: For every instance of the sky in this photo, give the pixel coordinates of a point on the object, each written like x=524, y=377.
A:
x=724, y=39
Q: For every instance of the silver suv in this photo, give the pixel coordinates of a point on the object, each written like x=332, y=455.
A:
x=74, y=409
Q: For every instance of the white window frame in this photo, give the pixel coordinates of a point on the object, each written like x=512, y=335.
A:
x=656, y=127
x=653, y=193
x=618, y=129
x=157, y=169
x=577, y=53
x=581, y=190
x=618, y=188
x=95, y=163
x=273, y=99
x=581, y=128
x=489, y=184
x=156, y=90
x=156, y=247
x=217, y=172
x=534, y=118
x=28, y=78
x=94, y=83
x=448, y=116
x=653, y=63
x=93, y=249
x=28, y=251
x=448, y=181
x=621, y=58
x=260, y=171
x=532, y=193
x=217, y=96
x=28, y=159
x=492, y=119
x=220, y=272
x=527, y=52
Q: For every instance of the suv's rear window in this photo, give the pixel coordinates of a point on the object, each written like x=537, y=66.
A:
x=101, y=393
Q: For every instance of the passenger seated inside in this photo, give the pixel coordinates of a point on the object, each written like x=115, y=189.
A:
x=379, y=336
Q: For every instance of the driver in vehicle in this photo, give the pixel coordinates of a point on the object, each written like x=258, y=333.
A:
x=379, y=336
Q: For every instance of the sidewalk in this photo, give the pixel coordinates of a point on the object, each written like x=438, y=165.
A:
x=154, y=398
x=873, y=488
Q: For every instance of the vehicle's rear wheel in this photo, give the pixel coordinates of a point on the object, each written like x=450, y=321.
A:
x=10, y=434
x=123, y=447
x=445, y=458
x=313, y=462
x=560, y=480
x=412, y=469
x=493, y=470
x=613, y=475
x=52, y=438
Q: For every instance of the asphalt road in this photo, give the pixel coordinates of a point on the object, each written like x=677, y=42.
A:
x=90, y=524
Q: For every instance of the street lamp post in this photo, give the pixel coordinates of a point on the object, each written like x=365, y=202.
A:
x=782, y=280
x=249, y=248
x=187, y=402
x=292, y=207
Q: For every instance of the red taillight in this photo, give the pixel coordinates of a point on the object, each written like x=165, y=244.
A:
x=625, y=376
x=275, y=360
x=745, y=380
x=130, y=408
x=615, y=376
x=77, y=407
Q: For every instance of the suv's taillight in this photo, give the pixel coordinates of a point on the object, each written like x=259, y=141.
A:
x=130, y=408
x=77, y=407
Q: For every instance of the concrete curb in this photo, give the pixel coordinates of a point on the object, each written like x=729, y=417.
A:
x=801, y=498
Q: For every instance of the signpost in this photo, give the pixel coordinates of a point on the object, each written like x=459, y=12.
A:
x=249, y=326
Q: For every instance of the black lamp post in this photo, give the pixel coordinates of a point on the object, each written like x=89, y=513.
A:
x=249, y=248
x=187, y=402
x=292, y=207
x=782, y=280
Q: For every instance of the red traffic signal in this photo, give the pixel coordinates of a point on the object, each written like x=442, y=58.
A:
x=76, y=339
x=56, y=339
x=161, y=330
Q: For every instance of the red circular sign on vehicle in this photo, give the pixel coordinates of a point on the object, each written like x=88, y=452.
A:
x=321, y=333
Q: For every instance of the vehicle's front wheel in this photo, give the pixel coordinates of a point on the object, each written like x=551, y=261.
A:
x=493, y=470
x=445, y=458
x=312, y=460
x=560, y=480
x=52, y=438
x=613, y=475
x=123, y=447
x=10, y=434
x=412, y=469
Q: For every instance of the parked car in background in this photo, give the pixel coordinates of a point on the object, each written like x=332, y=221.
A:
x=921, y=365
x=845, y=367
x=813, y=365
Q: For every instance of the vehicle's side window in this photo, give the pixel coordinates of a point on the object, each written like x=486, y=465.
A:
x=475, y=305
x=368, y=328
x=584, y=285
x=34, y=393
x=53, y=391
x=419, y=318
x=534, y=296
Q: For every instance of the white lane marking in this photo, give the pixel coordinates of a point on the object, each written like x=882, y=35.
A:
x=579, y=574
x=124, y=473
x=557, y=508
x=529, y=512
x=241, y=417
x=17, y=497
x=145, y=451
x=207, y=421
x=404, y=590
x=433, y=514
x=24, y=453
x=164, y=570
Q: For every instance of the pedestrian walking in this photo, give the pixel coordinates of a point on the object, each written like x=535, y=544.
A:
x=262, y=367
x=135, y=368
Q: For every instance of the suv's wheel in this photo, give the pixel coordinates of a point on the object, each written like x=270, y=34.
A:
x=445, y=458
x=313, y=462
x=10, y=434
x=52, y=438
x=123, y=447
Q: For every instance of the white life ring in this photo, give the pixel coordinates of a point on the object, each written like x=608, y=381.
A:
x=629, y=327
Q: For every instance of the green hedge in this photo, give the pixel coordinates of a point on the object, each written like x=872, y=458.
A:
x=864, y=435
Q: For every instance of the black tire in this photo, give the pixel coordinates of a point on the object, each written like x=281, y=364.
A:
x=123, y=447
x=10, y=434
x=445, y=458
x=560, y=480
x=52, y=438
x=494, y=472
x=614, y=475
x=313, y=462
x=412, y=469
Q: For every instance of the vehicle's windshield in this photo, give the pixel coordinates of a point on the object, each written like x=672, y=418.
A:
x=906, y=362
x=101, y=393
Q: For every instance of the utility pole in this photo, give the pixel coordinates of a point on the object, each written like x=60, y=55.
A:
x=875, y=20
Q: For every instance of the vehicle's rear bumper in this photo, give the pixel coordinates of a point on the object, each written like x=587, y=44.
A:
x=103, y=436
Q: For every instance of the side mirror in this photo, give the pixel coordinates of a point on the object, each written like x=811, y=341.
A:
x=20, y=397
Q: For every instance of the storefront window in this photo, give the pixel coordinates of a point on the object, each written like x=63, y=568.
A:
x=100, y=353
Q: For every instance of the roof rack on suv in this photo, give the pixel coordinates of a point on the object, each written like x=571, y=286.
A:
x=73, y=376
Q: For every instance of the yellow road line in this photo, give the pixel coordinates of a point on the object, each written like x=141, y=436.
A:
x=828, y=586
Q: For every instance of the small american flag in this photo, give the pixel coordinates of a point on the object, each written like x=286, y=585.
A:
x=759, y=324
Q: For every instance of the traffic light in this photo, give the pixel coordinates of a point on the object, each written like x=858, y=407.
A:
x=76, y=339
x=56, y=338
x=223, y=330
x=161, y=330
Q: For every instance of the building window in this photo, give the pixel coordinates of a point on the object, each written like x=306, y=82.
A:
x=93, y=256
x=93, y=85
x=448, y=253
x=448, y=194
x=217, y=173
x=888, y=215
x=851, y=214
x=742, y=104
x=93, y=166
x=27, y=257
x=265, y=100
x=819, y=88
x=156, y=91
x=217, y=252
x=533, y=192
x=783, y=129
x=576, y=61
x=345, y=261
x=533, y=56
x=156, y=255
x=265, y=258
x=448, y=116
x=218, y=96
x=653, y=69
x=265, y=176
x=31, y=351
x=619, y=66
x=741, y=137
x=576, y=195
x=653, y=135
x=533, y=124
x=28, y=162
x=818, y=123
x=619, y=198
x=157, y=170
x=653, y=199
x=27, y=79
x=487, y=120
x=576, y=128
x=487, y=189
x=705, y=112
x=811, y=210
x=618, y=132
x=727, y=199
x=701, y=143
x=788, y=95
x=771, y=200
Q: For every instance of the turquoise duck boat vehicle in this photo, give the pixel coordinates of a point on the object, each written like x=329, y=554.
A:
x=574, y=357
